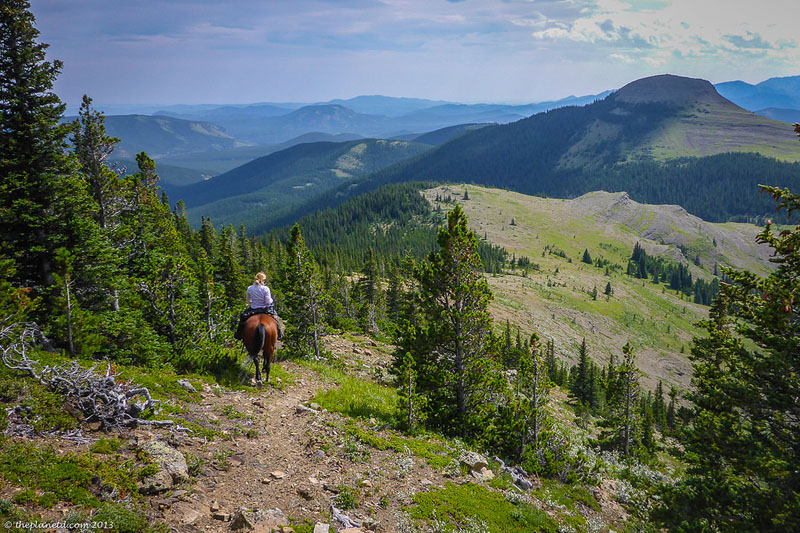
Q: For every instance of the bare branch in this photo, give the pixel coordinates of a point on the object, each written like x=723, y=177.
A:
x=96, y=395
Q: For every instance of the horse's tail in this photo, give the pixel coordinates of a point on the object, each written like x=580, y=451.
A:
x=261, y=337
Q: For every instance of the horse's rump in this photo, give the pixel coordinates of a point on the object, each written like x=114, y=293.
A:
x=260, y=335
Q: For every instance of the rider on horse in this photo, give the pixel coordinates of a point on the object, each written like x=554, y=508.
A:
x=260, y=300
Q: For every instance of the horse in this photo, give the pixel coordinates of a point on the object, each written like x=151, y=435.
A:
x=260, y=335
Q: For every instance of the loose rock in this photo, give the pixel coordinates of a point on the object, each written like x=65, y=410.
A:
x=168, y=459
x=305, y=493
x=242, y=520
x=484, y=475
x=185, y=384
x=158, y=482
x=303, y=409
x=475, y=461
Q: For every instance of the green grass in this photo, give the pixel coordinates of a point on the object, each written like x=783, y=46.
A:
x=124, y=519
x=9, y=512
x=458, y=507
x=567, y=495
x=106, y=446
x=279, y=377
x=50, y=477
x=434, y=451
x=360, y=398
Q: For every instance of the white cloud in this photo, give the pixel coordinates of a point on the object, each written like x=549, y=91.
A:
x=692, y=28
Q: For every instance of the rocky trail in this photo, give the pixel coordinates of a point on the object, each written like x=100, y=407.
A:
x=288, y=461
x=280, y=462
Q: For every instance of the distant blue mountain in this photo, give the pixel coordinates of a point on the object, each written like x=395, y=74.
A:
x=367, y=116
x=782, y=93
x=784, y=115
x=389, y=106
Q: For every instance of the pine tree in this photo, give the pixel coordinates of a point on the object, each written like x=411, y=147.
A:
x=628, y=375
x=410, y=404
x=743, y=446
x=580, y=386
x=228, y=269
x=622, y=429
x=535, y=386
x=41, y=198
x=304, y=299
x=370, y=289
x=451, y=342
x=208, y=236
x=394, y=294
x=673, y=395
x=586, y=257
x=659, y=407
x=93, y=148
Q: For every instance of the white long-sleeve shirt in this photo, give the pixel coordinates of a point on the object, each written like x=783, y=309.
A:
x=259, y=296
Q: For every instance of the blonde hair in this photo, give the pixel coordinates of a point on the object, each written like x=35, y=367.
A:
x=260, y=278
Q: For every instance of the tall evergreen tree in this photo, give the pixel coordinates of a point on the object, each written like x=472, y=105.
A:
x=623, y=426
x=451, y=342
x=534, y=387
x=743, y=447
x=93, y=148
x=228, y=269
x=370, y=291
x=304, y=298
x=581, y=387
x=394, y=294
x=41, y=199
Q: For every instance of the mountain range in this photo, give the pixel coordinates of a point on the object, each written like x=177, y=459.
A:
x=195, y=142
x=160, y=136
x=664, y=139
x=370, y=116
x=666, y=128
x=772, y=93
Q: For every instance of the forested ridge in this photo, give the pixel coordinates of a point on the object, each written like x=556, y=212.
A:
x=97, y=266
x=533, y=156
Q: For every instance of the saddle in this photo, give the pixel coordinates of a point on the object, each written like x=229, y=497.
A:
x=250, y=311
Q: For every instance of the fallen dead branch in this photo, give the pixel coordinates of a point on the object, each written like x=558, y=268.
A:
x=96, y=395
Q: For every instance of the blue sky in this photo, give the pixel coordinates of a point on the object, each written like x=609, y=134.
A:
x=239, y=51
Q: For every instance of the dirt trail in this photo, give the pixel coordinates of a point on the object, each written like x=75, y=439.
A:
x=297, y=463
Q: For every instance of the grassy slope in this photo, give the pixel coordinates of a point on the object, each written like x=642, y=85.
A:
x=558, y=305
x=706, y=129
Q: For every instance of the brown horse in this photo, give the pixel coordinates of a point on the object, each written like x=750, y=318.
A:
x=260, y=335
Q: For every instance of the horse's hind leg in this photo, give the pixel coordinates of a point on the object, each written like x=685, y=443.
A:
x=268, y=354
x=258, y=369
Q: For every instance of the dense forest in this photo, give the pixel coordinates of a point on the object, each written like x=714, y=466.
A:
x=715, y=188
x=99, y=266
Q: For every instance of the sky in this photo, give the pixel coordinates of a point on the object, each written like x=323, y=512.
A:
x=514, y=51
